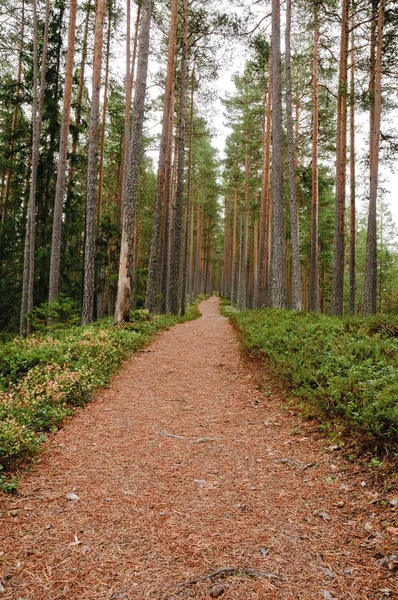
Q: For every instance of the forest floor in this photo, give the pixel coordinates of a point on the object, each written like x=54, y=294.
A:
x=187, y=463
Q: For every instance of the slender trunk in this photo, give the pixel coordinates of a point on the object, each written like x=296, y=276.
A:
x=186, y=266
x=199, y=228
x=314, y=273
x=62, y=158
x=255, y=264
x=370, y=285
x=234, y=249
x=294, y=223
x=341, y=152
x=92, y=166
x=352, y=176
x=243, y=270
x=191, y=255
x=265, y=195
x=37, y=116
x=103, y=124
x=126, y=268
x=14, y=119
x=278, y=226
x=78, y=114
x=130, y=67
x=176, y=237
x=238, y=299
x=154, y=259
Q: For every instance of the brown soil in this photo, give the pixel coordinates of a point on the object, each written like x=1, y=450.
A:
x=245, y=485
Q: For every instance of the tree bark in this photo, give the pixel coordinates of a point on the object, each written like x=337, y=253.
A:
x=92, y=167
x=243, y=268
x=62, y=158
x=37, y=117
x=103, y=124
x=234, y=248
x=186, y=266
x=126, y=268
x=278, y=226
x=341, y=156
x=130, y=67
x=370, y=285
x=314, y=272
x=294, y=223
x=352, y=176
x=265, y=196
x=154, y=259
x=14, y=119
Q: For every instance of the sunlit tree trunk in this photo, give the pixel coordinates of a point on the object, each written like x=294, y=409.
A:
x=370, y=285
x=294, y=223
x=92, y=167
x=341, y=156
x=278, y=224
x=255, y=264
x=314, y=271
x=126, y=267
x=62, y=158
x=37, y=117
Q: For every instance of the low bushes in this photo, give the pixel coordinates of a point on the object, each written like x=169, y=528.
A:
x=42, y=378
x=344, y=369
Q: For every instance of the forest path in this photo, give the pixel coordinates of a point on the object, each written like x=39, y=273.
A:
x=243, y=486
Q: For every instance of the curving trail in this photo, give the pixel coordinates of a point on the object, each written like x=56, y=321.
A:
x=183, y=466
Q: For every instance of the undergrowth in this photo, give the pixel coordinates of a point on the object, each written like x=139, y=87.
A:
x=345, y=371
x=44, y=377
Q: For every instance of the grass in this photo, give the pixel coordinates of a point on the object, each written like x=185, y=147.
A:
x=43, y=378
x=344, y=371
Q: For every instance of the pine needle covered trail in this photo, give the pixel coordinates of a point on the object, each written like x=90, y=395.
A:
x=181, y=469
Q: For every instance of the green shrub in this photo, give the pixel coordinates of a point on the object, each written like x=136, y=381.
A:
x=346, y=369
x=44, y=377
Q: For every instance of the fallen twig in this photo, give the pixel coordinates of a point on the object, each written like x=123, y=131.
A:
x=205, y=439
x=171, y=435
x=230, y=572
x=295, y=463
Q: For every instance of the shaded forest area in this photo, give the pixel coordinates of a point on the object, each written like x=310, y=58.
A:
x=91, y=226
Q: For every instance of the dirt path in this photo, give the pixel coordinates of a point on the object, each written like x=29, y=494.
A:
x=182, y=467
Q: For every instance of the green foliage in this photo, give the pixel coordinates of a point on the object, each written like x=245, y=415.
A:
x=43, y=378
x=344, y=369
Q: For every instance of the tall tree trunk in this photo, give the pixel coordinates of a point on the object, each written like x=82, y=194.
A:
x=130, y=67
x=244, y=245
x=185, y=269
x=265, y=195
x=341, y=156
x=154, y=259
x=352, y=175
x=370, y=284
x=176, y=238
x=198, y=251
x=278, y=225
x=126, y=269
x=294, y=223
x=14, y=119
x=234, y=249
x=92, y=166
x=255, y=264
x=78, y=113
x=37, y=117
x=103, y=124
x=62, y=158
x=314, y=272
